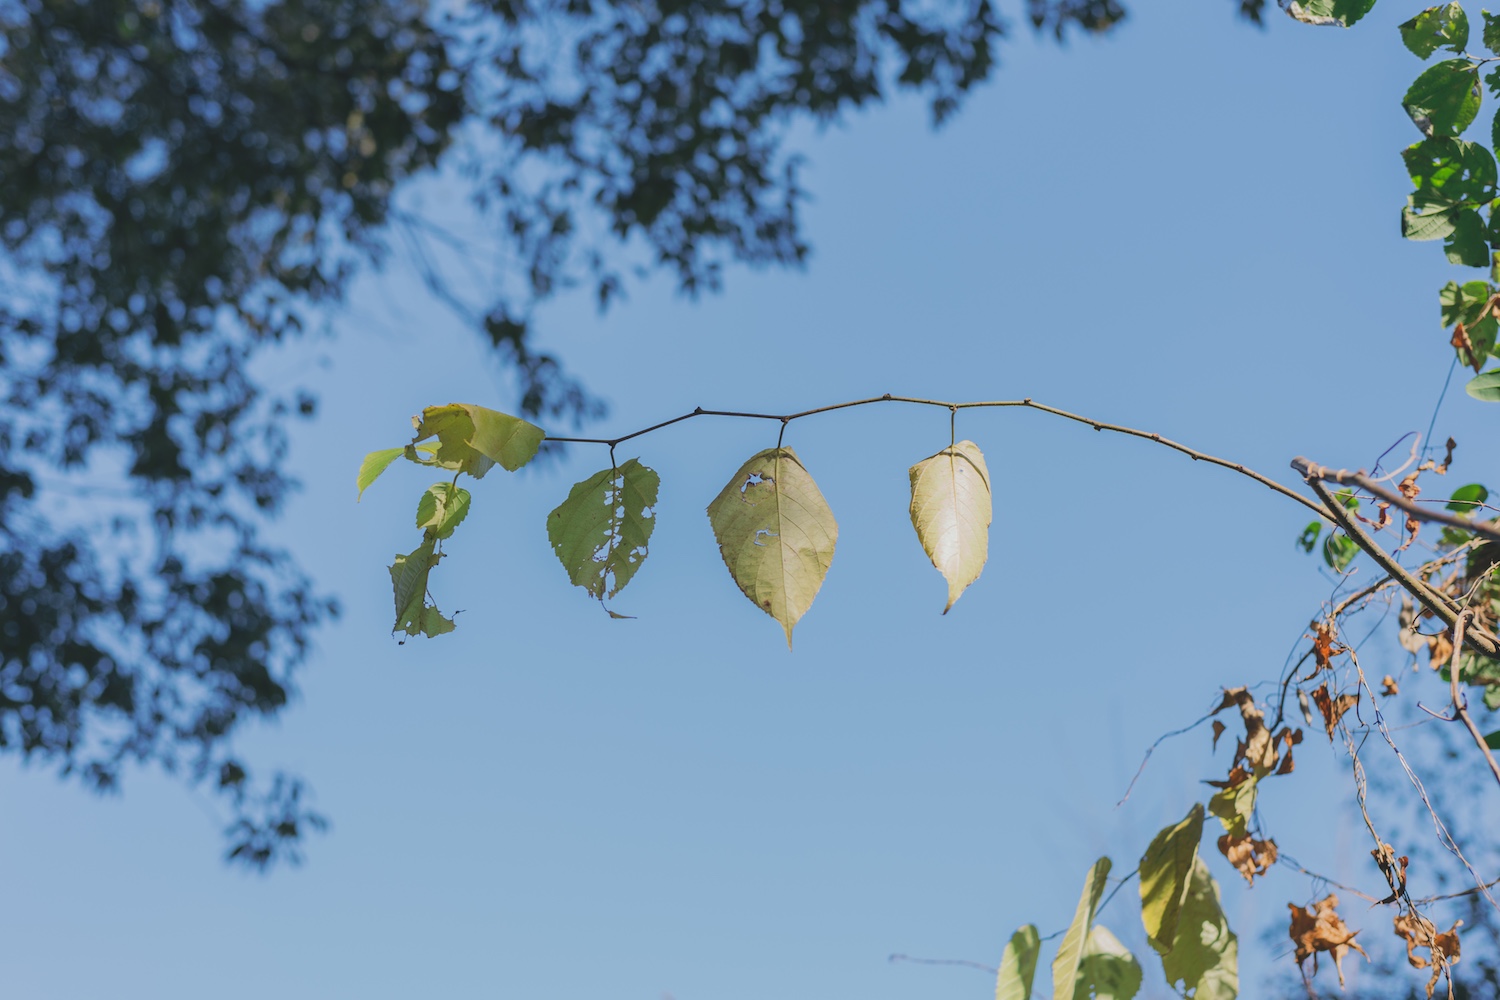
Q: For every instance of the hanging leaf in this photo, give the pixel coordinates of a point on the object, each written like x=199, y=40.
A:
x=472, y=439
x=1235, y=805
x=1075, y=941
x=1445, y=27
x=951, y=510
x=1204, y=957
x=374, y=464
x=1166, y=869
x=1018, y=965
x=776, y=534
x=441, y=509
x=409, y=580
x=1444, y=100
x=600, y=532
x=1108, y=971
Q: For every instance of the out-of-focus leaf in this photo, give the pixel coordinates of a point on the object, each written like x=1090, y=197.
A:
x=1234, y=806
x=1339, y=551
x=1108, y=971
x=1204, y=958
x=1309, y=536
x=1018, y=965
x=1466, y=498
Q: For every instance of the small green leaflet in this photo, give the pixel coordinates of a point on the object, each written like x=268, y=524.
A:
x=776, y=534
x=1234, y=806
x=1336, y=13
x=1466, y=498
x=441, y=509
x=1485, y=387
x=1075, y=942
x=409, y=580
x=1166, y=869
x=376, y=462
x=600, y=532
x=1436, y=28
x=1444, y=100
x=1309, y=536
x=1018, y=965
x=951, y=510
x=472, y=439
x=1108, y=971
x=1204, y=958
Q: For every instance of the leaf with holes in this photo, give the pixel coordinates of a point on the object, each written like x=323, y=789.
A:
x=951, y=510
x=1107, y=971
x=1445, y=27
x=473, y=439
x=1204, y=958
x=441, y=509
x=409, y=574
x=1075, y=941
x=1166, y=869
x=601, y=531
x=776, y=534
x=1018, y=965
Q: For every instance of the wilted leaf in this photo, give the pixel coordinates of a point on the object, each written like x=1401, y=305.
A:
x=1444, y=100
x=442, y=508
x=409, y=581
x=1436, y=28
x=473, y=439
x=373, y=465
x=1204, y=957
x=1075, y=941
x=1443, y=950
x=1018, y=965
x=776, y=534
x=1332, y=709
x=601, y=531
x=1108, y=971
x=1321, y=929
x=1249, y=856
x=951, y=509
x=1388, y=686
x=1166, y=869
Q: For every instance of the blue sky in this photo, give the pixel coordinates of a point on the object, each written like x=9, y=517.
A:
x=1189, y=227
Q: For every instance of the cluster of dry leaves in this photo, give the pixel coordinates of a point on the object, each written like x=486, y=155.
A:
x=1258, y=754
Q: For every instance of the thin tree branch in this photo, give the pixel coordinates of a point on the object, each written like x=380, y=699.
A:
x=1312, y=470
x=1460, y=705
x=1097, y=425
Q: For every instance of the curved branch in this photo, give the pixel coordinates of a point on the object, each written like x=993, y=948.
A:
x=1311, y=470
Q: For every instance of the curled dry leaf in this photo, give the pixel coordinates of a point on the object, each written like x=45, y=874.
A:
x=1319, y=928
x=1333, y=709
x=1443, y=949
x=1442, y=468
x=1388, y=686
x=1394, y=870
x=1325, y=645
x=1219, y=728
x=1249, y=856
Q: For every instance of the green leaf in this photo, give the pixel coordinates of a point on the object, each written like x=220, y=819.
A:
x=409, y=580
x=1485, y=387
x=1444, y=100
x=1108, y=971
x=1492, y=697
x=374, y=464
x=776, y=534
x=951, y=510
x=1234, y=806
x=1418, y=225
x=1309, y=536
x=472, y=439
x=1075, y=941
x=1205, y=955
x=1493, y=740
x=1437, y=28
x=1491, y=33
x=442, y=508
x=1018, y=965
x=1339, y=13
x=1468, y=245
x=1463, y=303
x=1339, y=551
x=1465, y=498
x=601, y=531
x=1166, y=869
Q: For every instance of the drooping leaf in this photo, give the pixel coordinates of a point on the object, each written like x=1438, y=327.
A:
x=601, y=531
x=1485, y=387
x=1204, y=957
x=1018, y=965
x=1075, y=941
x=776, y=534
x=1466, y=498
x=1235, y=805
x=1166, y=869
x=1333, y=13
x=472, y=439
x=442, y=508
x=1445, y=27
x=373, y=465
x=409, y=574
x=1444, y=100
x=1108, y=971
x=951, y=509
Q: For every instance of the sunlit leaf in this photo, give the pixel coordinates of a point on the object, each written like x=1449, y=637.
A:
x=442, y=508
x=374, y=464
x=1234, y=806
x=1166, y=869
x=1108, y=971
x=472, y=439
x=1485, y=387
x=1204, y=958
x=1444, y=100
x=1335, y=13
x=1445, y=27
x=1018, y=965
x=951, y=510
x=1339, y=551
x=409, y=580
x=1075, y=941
x=601, y=531
x=776, y=534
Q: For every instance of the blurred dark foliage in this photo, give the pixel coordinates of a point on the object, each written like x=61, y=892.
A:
x=185, y=182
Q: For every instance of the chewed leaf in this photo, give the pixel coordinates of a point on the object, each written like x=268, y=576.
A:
x=600, y=532
x=1108, y=971
x=442, y=508
x=1166, y=869
x=374, y=464
x=951, y=509
x=409, y=580
x=1018, y=965
x=1075, y=942
x=472, y=439
x=776, y=534
x=1204, y=957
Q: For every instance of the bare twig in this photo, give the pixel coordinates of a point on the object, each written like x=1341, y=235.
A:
x=1460, y=704
x=1344, y=477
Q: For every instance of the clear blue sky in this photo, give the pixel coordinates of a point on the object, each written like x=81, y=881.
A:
x=1190, y=227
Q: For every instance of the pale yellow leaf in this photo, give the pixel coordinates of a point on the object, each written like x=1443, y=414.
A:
x=951, y=509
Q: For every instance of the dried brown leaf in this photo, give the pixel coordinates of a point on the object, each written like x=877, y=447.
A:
x=1439, y=649
x=1442, y=468
x=1319, y=928
x=1443, y=949
x=1219, y=728
x=1388, y=686
x=1333, y=709
x=1250, y=856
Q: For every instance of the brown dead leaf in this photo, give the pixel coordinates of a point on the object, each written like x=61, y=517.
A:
x=1319, y=928
x=1443, y=949
x=1333, y=709
x=1388, y=686
x=1250, y=856
x=1461, y=341
x=1325, y=647
x=1439, y=649
x=1237, y=776
x=1257, y=749
x=1408, y=487
x=1442, y=468
x=1385, y=515
x=1219, y=728
x=1411, y=640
